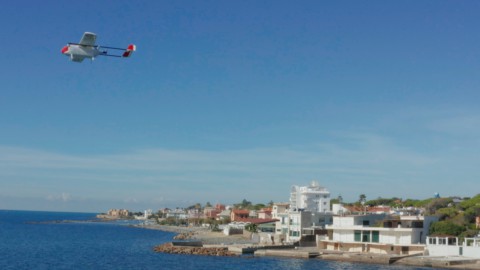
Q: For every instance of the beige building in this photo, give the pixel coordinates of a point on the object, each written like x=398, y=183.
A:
x=118, y=213
x=378, y=234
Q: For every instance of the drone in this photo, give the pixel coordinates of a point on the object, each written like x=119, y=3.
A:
x=86, y=48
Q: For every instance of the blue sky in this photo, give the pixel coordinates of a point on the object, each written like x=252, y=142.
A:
x=226, y=100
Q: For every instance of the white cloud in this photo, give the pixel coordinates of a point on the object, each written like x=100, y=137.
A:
x=64, y=197
x=347, y=163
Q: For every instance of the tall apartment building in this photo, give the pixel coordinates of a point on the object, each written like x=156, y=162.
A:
x=313, y=198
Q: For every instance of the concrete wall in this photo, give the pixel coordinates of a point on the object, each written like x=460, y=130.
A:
x=400, y=237
x=343, y=236
x=444, y=250
x=385, y=237
x=372, y=248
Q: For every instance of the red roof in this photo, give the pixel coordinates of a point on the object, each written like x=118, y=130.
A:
x=240, y=211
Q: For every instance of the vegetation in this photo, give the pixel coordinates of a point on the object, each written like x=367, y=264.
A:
x=247, y=205
x=251, y=227
x=362, y=198
x=456, y=215
x=393, y=202
x=446, y=228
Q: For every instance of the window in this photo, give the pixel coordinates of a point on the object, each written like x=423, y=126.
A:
x=366, y=236
x=375, y=236
x=357, y=236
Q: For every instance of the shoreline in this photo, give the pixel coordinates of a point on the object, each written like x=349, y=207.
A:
x=200, y=234
x=238, y=243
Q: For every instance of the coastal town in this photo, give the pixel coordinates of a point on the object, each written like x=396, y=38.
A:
x=437, y=232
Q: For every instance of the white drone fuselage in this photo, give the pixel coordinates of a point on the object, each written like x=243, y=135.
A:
x=79, y=52
x=86, y=48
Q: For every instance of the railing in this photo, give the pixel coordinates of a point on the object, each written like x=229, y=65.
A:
x=453, y=241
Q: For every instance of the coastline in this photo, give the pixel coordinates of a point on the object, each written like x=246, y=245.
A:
x=214, y=241
x=200, y=234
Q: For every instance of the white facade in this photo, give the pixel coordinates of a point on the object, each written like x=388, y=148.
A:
x=297, y=221
x=451, y=246
x=338, y=209
x=291, y=224
x=177, y=213
x=377, y=229
x=313, y=198
x=280, y=212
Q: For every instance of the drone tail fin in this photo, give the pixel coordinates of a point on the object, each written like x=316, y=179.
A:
x=130, y=49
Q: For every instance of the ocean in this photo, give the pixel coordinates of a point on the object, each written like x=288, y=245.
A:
x=34, y=240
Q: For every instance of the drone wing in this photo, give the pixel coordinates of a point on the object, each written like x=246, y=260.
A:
x=88, y=39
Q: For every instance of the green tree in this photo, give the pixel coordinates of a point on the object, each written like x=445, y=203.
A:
x=258, y=206
x=244, y=204
x=251, y=227
x=446, y=213
x=435, y=204
x=195, y=206
x=471, y=213
x=446, y=228
x=362, y=198
x=475, y=201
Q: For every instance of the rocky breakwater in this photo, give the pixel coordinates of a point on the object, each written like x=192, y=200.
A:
x=205, y=251
x=184, y=236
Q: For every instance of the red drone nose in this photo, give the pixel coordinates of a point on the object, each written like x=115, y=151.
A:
x=64, y=49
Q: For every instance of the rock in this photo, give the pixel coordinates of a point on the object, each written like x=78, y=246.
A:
x=205, y=251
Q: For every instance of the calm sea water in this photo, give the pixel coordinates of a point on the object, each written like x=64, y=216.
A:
x=29, y=241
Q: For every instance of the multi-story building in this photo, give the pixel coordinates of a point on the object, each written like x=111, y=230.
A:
x=378, y=233
x=313, y=198
x=307, y=212
x=239, y=214
x=280, y=213
x=265, y=213
x=211, y=212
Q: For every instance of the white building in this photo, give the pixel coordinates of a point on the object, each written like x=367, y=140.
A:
x=178, y=214
x=306, y=214
x=451, y=246
x=339, y=209
x=280, y=213
x=313, y=198
x=378, y=234
x=302, y=223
